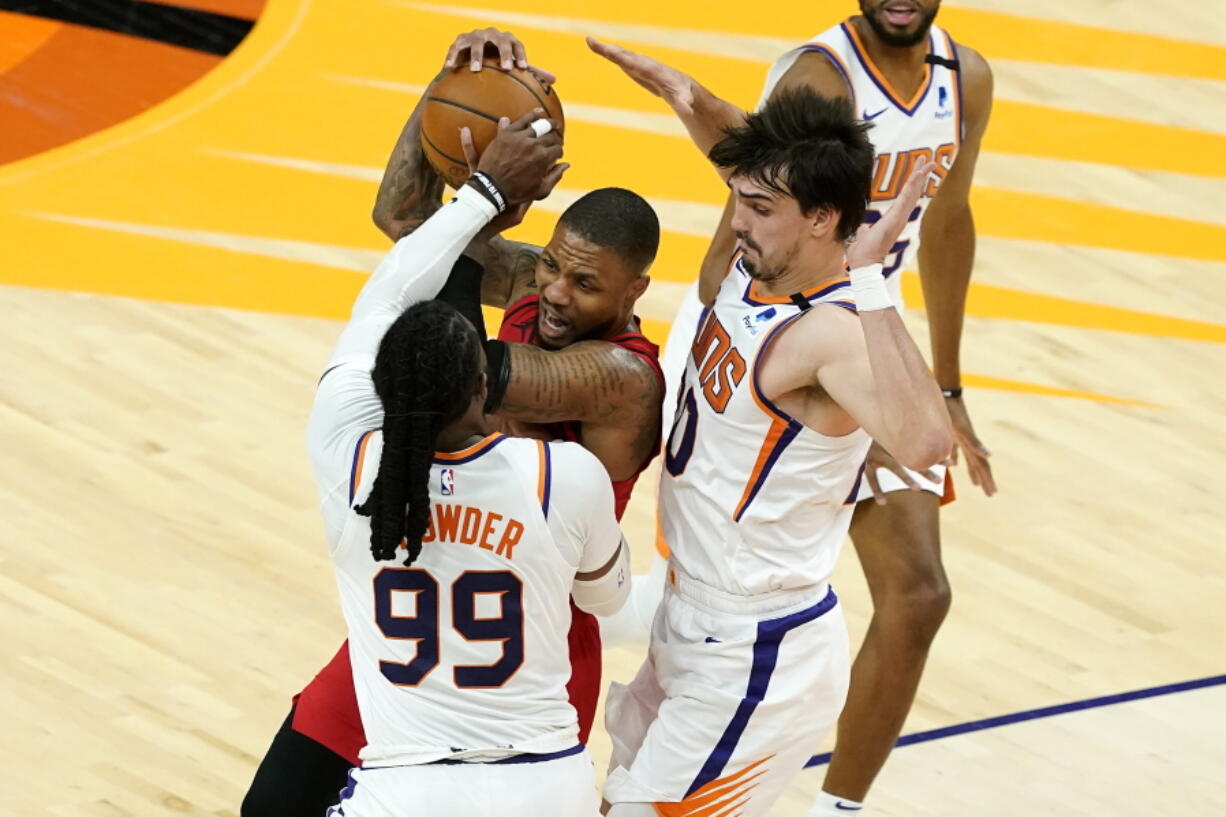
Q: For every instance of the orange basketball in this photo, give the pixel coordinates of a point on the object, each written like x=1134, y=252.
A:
x=476, y=100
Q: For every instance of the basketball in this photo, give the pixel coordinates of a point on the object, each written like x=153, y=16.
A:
x=476, y=100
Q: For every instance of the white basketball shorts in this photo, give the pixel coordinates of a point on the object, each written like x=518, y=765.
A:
x=735, y=696
x=560, y=787
x=890, y=483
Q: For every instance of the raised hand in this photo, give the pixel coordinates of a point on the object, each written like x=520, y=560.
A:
x=669, y=84
x=522, y=164
x=470, y=48
x=975, y=452
x=872, y=244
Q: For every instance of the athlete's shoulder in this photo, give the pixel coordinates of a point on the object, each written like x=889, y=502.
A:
x=973, y=66
x=578, y=482
x=818, y=66
x=819, y=333
x=977, y=83
x=640, y=345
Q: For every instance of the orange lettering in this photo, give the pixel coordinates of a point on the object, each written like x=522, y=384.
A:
x=716, y=388
x=713, y=332
x=472, y=524
x=510, y=538
x=448, y=521
x=946, y=154
x=489, y=529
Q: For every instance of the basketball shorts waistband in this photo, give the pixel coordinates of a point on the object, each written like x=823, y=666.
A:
x=513, y=759
x=776, y=602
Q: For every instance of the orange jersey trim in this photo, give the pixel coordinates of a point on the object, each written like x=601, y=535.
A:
x=767, y=453
x=470, y=453
x=359, y=460
x=754, y=296
x=544, y=478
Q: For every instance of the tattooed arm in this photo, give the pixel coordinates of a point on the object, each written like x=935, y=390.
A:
x=411, y=189
x=510, y=269
x=612, y=392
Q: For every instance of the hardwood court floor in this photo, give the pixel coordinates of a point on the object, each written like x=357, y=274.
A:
x=170, y=287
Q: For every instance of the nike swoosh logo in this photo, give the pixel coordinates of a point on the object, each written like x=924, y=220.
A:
x=839, y=804
x=711, y=640
x=868, y=117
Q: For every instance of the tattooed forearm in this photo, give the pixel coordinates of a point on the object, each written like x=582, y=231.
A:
x=590, y=382
x=411, y=189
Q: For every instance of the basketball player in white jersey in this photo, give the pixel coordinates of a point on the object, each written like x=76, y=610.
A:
x=795, y=365
x=927, y=99
x=456, y=550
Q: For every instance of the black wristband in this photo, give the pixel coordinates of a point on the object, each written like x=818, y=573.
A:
x=483, y=184
x=952, y=394
x=497, y=373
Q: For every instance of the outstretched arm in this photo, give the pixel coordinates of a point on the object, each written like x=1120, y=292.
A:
x=946, y=258
x=609, y=390
x=704, y=115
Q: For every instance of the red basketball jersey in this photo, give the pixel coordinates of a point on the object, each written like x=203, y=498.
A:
x=519, y=326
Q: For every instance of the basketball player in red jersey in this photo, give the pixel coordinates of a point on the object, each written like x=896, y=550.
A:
x=576, y=367
x=922, y=92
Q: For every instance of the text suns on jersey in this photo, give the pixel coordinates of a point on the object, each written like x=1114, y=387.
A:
x=890, y=170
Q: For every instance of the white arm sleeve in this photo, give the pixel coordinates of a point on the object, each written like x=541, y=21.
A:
x=414, y=270
x=583, y=522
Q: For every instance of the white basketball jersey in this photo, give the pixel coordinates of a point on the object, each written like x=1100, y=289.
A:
x=464, y=654
x=927, y=127
x=751, y=500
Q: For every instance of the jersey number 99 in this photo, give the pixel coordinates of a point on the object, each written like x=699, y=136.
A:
x=423, y=627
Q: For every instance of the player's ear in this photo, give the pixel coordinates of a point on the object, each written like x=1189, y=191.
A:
x=637, y=287
x=824, y=222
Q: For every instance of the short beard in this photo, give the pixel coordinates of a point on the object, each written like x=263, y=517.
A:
x=763, y=275
x=899, y=40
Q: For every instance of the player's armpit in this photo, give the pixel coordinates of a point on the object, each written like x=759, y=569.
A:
x=510, y=269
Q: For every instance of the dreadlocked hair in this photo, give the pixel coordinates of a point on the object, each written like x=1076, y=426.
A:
x=426, y=373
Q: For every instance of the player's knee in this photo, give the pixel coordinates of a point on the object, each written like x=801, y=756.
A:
x=916, y=605
x=926, y=602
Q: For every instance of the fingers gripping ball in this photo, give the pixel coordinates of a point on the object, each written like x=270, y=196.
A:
x=476, y=100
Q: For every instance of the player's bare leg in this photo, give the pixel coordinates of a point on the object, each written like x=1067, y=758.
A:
x=900, y=551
